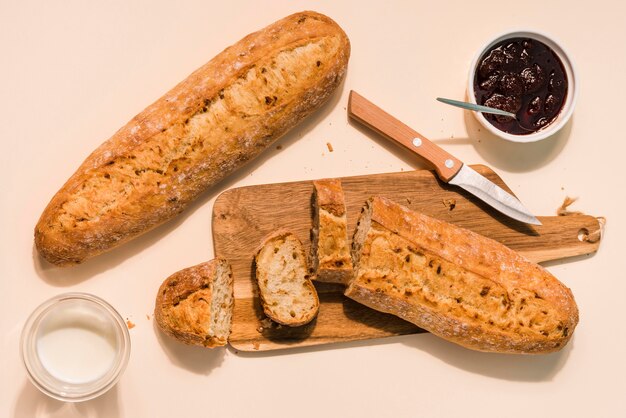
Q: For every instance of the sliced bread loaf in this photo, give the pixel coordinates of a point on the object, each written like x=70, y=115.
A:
x=330, y=248
x=457, y=284
x=287, y=294
x=195, y=305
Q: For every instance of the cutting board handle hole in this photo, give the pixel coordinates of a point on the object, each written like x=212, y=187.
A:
x=591, y=237
x=583, y=235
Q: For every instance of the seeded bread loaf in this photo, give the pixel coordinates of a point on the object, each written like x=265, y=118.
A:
x=287, y=294
x=223, y=115
x=195, y=305
x=457, y=284
x=330, y=248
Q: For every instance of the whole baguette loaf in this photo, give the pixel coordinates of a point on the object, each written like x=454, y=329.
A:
x=221, y=116
x=330, y=248
x=457, y=284
x=195, y=305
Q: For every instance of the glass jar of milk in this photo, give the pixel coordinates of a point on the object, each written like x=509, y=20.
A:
x=75, y=347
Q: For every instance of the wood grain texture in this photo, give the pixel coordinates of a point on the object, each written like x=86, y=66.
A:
x=242, y=217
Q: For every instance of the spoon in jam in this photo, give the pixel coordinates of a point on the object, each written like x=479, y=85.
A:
x=478, y=108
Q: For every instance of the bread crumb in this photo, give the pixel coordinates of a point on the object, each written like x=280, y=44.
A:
x=256, y=345
x=147, y=317
x=408, y=200
x=259, y=330
x=266, y=323
x=279, y=147
x=449, y=203
x=329, y=146
x=130, y=324
x=562, y=210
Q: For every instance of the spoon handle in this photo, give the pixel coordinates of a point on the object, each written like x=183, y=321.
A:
x=478, y=108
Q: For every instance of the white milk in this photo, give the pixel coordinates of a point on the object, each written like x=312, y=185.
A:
x=77, y=344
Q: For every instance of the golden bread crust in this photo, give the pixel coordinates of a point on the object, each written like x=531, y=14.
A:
x=223, y=115
x=457, y=284
x=330, y=247
x=183, y=304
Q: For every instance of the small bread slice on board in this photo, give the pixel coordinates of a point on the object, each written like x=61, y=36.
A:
x=330, y=247
x=195, y=305
x=457, y=284
x=287, y=294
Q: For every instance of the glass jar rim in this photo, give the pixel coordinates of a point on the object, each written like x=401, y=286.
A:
x=79, y=392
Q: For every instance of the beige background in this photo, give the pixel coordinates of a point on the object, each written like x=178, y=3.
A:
x=73, y=72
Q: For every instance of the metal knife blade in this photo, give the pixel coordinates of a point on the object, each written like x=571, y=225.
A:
x=449, y=169
x=492, y=194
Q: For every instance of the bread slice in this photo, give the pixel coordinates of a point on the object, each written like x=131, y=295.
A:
x=330, y=248
x=287, y=295
x=195, y=305
x=457, y=284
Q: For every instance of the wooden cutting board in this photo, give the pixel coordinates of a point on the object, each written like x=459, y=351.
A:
x=242, y=217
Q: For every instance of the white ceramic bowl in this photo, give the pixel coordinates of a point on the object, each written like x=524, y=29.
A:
x=75, y=347
x=572, y=89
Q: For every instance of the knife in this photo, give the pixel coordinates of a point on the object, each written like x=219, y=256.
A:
x=448, y=168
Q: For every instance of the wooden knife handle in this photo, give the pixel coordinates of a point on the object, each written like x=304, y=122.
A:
x=370, y=115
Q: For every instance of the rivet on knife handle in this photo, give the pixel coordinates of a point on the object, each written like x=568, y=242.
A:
x=361, y=109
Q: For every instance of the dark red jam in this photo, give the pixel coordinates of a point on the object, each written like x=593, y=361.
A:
x=522, y=76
